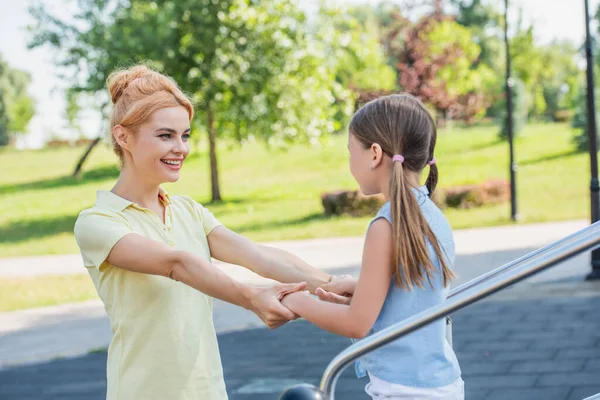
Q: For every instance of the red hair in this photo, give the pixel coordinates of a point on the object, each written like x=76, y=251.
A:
x=137, y=93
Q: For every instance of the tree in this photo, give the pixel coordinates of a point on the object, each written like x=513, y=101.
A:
x=435, y=64
x=249, y=66
x=528, y=66
x=351, y=37
x=561, y=77
x=485, y=24
x=521, y=101
x=16, y=106
x=4, y=122
x=580, y=120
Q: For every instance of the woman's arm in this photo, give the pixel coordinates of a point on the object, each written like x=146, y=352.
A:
x=269, y=262
x=357, y=319
x=137, y=253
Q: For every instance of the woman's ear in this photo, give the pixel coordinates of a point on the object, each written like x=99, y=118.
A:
x=122, y=136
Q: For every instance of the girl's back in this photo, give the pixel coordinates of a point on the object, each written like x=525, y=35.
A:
x=432, y=360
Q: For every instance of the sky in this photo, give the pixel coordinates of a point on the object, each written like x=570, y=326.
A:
x=554, y=19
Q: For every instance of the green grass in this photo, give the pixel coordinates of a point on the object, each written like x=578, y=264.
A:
x=275, y=195
x=20, y=293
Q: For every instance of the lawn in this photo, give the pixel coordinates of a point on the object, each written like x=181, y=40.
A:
x=275, y=195
x=20, y=293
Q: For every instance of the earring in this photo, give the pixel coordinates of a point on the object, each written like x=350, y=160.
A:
x=370, y=166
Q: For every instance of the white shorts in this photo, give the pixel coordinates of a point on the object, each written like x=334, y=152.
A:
x=379, y=389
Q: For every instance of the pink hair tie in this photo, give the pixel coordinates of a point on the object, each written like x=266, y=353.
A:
x=398, y=158
x=432, y=161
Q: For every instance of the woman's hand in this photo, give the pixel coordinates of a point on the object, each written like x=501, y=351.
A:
x=340, y=290
x=266, y=303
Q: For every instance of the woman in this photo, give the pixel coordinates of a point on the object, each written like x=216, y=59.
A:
x=136, y=237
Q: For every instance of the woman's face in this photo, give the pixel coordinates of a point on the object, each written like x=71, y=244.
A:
x=158, y=149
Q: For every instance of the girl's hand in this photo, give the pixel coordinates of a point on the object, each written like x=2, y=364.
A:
x=266, y=303
x=332, y=297
x=340, y=290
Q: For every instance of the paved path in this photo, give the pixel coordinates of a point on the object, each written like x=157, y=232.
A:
x=522, y=345
x=539, y=339
x=334, y=252
x=74, y=329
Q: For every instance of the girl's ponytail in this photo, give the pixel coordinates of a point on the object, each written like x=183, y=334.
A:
x=411, y=232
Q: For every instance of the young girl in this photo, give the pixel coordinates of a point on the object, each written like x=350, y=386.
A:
x=407, y=259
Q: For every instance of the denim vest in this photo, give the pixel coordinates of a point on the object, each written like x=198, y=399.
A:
x=422, y=358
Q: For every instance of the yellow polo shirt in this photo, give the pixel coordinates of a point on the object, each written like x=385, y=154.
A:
x=164, y=344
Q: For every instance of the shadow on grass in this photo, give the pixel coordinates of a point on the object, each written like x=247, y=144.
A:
x=23, y=230
x=482, y=146
x=225, y=202
x=235, y=205
x=258, y=226
x=98, y=174
x=550, y=157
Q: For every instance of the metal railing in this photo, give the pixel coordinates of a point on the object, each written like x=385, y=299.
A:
x=462, y=296
x=594, y=397
x=506, y=267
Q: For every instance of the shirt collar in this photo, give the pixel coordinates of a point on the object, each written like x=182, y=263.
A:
x=107, y=199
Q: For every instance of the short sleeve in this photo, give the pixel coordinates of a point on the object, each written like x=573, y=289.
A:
x=96, y=233
x=384, y=212
x=209, y=221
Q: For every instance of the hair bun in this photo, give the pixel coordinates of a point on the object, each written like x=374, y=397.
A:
x=118, y=81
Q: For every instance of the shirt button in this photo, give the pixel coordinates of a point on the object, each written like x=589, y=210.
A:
x=171, y=244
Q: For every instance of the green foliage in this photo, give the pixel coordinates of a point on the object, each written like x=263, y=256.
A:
x=16, y=106
x=4, y=122
x=560, y=78
x=580, y=120
x=249, y=63
x=250, y=66
x=437, y=65
x=485, y=22
x=351, y=37
x=520, y=102
x=72, y=109
x=459, y=76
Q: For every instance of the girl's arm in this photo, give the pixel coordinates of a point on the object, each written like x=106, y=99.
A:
x=269, y=262
x=357, y=319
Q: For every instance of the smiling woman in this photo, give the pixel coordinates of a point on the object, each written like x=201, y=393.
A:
x=136, y=237
x=158, y=151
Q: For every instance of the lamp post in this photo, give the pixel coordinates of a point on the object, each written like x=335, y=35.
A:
x=509, y=122
x=592, y=142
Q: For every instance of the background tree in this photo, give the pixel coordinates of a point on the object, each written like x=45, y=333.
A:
x=16, y=105
x=351, y=37
x=435, y=64
x=249, y=66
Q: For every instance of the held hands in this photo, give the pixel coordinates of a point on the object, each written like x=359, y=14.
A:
x=266, y=303
x=340, y=290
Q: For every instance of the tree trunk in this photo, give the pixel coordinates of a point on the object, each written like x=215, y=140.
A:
x=214, y=168
x=79, y=167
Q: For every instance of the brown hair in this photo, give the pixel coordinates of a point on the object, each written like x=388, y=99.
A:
x=138, y=92
x=401, y=124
